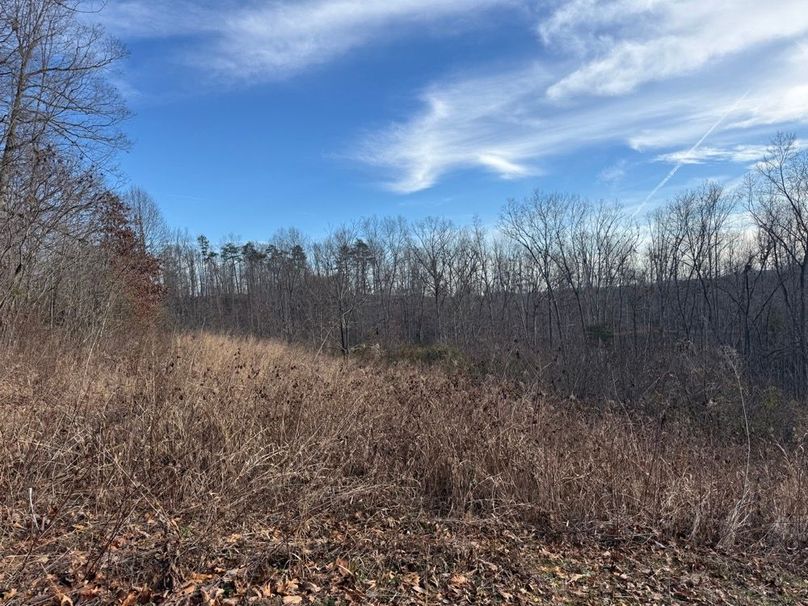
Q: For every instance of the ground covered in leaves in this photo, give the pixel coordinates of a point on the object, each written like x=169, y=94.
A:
x=215, y=470
x=386, y=558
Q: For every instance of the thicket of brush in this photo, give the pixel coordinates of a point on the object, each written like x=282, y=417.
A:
x=208, y=435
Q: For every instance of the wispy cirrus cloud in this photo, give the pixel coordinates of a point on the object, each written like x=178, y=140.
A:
x=653, y=75
x=289, y=36
x=468, y=123
x=742, y=154
x=143, y=19
x=613, y=173
x=637, y=41
x=257, y=41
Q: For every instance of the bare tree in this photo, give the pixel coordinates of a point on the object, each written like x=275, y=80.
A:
x=147, y=220
x=55, y=93
x=434, y=250
x=780, y=210
x=58, y=122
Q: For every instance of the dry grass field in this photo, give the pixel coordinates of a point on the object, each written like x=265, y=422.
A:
x=214, y=470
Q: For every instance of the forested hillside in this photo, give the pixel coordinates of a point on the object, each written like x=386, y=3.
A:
x=579, y=402
x=587, y=297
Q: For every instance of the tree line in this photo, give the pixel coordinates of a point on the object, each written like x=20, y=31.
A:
x=582, y=293
x=577, y=294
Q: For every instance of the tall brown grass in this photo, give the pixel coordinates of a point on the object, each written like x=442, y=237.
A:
x=209, y=435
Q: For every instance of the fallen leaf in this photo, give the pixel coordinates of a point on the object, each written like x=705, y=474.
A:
x=505, y=595
x=343, y=568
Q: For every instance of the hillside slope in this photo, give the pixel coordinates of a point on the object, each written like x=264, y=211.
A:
x=218, y=470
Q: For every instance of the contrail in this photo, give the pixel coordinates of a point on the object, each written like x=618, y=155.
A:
x=695, y=147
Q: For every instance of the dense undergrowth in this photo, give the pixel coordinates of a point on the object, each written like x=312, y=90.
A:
x=207, y=436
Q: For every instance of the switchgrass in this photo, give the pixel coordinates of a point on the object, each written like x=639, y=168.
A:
x=210, y=435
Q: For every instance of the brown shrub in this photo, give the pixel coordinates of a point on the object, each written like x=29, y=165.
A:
x=214, y=433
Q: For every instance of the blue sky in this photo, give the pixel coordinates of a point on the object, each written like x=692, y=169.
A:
x=261, y=114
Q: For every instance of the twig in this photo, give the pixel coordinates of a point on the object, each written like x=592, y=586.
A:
x=33, y=512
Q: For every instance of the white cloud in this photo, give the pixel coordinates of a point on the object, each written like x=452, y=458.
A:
x=667, y=72
x=290, y=36
x=654, y=75
x=503, y=115
x=737, y=153
x=507, y=169
x=666, y=39
x=266, y=40
x=133, y=19
x=471, y=123
x=613, y=173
